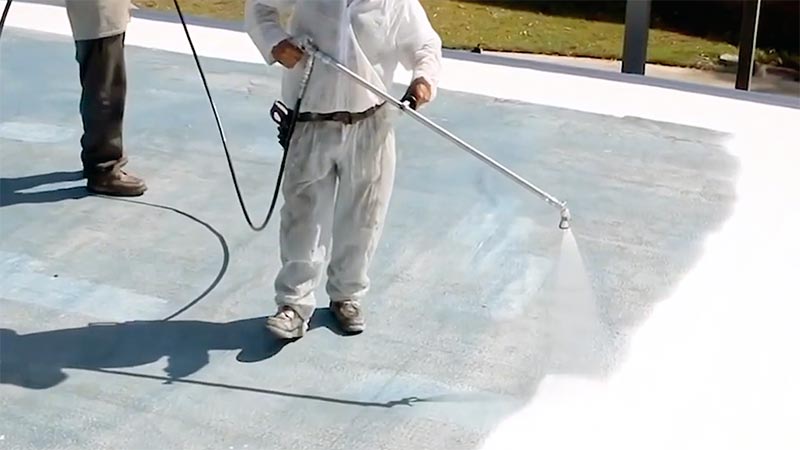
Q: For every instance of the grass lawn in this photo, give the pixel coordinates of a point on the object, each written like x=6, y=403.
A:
x=463, y=25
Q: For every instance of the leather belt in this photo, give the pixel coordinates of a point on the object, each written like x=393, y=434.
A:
x=344, y=117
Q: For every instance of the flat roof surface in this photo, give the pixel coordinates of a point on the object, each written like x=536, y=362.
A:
x=134, y=324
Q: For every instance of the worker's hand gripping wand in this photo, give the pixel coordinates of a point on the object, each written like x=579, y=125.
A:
x=408, y=107
x=286, y=118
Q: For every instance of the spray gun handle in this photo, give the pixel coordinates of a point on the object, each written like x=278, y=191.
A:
x=410, y=101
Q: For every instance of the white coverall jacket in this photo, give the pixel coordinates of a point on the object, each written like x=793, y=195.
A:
x=94, y=19
x=339, y=177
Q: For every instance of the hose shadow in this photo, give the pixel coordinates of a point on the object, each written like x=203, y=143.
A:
x=407, y=401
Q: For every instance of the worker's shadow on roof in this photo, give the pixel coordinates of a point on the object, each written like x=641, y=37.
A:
x=38, y=360
x=12, y=190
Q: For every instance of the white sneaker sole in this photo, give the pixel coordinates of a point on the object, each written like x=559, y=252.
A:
x=287, y=334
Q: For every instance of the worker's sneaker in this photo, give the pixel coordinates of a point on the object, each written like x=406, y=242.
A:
x=349, y=315
x=114, y=182
x=287, y=324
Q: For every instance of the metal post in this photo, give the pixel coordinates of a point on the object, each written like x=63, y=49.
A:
x=637, y=26
x=751, y=9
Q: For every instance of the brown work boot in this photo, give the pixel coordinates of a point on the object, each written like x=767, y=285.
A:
x=114, y=182
x=349, y=315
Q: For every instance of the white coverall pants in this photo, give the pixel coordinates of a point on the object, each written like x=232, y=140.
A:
x=337, y=186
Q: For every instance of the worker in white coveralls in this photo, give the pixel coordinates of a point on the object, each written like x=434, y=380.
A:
x=340, y=167
x=98, y=28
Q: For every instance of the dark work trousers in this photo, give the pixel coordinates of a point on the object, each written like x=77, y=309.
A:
x=104, y=85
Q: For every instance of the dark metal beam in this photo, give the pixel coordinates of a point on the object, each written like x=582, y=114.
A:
x=751, y=9
x=637, y=26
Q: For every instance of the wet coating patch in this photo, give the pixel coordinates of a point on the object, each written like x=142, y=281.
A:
x=25, y=281
x=35, y=132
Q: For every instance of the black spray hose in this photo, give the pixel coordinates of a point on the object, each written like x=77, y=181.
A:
x=3, y=18
x=292, y=122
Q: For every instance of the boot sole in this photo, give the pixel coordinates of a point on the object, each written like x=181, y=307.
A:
x=353, y=329
x=284, y=334
x=113, y=193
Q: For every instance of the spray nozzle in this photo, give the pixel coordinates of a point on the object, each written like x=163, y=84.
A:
x=565, y=218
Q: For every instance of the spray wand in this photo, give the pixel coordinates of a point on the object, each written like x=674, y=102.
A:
x=407, y=106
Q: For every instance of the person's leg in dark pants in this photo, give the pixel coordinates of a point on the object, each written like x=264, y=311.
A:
x=102, y=107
